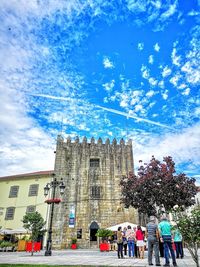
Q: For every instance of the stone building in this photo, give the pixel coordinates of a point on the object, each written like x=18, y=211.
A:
x=91, y=172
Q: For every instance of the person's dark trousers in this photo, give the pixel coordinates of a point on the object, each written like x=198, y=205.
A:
x=167, y=239
x=131, y=248
x=179, y=249
x=125, y=249
x=153, y=244
x=120, y=250
x=136, y=250
x=161, y=248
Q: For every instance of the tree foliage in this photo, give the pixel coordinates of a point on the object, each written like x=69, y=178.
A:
x=189, y=226
x=157, y=187
x=104, y=234
x=34, y=222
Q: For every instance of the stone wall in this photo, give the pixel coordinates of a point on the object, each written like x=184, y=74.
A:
x=91, y=172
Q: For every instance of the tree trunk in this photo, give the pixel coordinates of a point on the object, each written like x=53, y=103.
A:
x=194, y=253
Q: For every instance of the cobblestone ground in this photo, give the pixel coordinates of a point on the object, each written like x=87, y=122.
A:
x=83, y=257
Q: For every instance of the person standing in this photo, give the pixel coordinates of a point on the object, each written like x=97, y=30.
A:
x=124, y=241
x=135, y=245
x=166, y=237
x=178, y=243
x=152, y=235
x=130, y=235
x=140, y=241
x=120, y=243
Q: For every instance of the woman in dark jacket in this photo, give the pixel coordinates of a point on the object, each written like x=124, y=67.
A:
x=120, y=243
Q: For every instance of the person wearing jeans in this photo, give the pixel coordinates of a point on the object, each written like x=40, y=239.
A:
x=178, y=243
x=130, y=235
x=166, y=238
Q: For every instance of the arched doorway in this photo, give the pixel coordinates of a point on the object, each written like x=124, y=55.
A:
x=93, y=230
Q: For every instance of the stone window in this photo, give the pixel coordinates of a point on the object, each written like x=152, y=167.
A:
x=30, y=209
x=94, y=163
x=33, y=190
x=14, y=191
x=10, y=213
x=95, y=192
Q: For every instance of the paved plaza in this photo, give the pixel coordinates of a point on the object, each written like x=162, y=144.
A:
x=83, y=257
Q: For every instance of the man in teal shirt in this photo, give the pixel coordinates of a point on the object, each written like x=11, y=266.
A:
x=166, y=237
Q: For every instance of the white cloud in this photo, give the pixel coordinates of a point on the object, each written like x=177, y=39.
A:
x=182, y=86
x=145, y=72
x=186, y=92
x=157, y=47
x=166, y=71
x=108, y=64
x=174, y=80
x=153, y=81
x=136, y=6
x=138, y=107
x=25, y=147
x=124, y=100
x=171, y=10
x=109, y=86
x=161, y=84
x=140, y=46
x=165, y=94
x=175, y=59
x=151, y=60
x=184, y=147
x=150, y=93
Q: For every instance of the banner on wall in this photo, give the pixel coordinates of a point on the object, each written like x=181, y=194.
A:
x=72, y=216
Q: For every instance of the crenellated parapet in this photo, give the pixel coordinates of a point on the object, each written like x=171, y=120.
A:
x=92, y=141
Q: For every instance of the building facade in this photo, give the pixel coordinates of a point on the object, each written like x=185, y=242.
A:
x=20, y=194
x=92, y=199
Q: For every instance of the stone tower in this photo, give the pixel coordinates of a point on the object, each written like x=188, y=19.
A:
x=91, y=172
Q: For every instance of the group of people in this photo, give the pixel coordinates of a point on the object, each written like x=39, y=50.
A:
x=131, y=238
x=155, y=233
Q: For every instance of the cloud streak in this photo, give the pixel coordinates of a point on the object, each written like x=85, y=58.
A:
x=124, y=114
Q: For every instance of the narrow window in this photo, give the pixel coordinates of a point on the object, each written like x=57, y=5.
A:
x=14, y=191
x=10, y=213
x=33, y=190
x=94, y=163
x=95, y=192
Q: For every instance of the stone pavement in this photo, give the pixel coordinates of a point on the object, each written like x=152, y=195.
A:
x=83, y=257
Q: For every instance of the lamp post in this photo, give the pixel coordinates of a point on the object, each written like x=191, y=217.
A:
x=52, y=185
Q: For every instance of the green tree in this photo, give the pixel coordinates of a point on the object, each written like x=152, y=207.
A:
x=34, y=222
x=157, y=187
x=189, y=226
x=104, y=234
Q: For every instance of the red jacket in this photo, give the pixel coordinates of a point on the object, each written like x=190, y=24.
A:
x=139, y=235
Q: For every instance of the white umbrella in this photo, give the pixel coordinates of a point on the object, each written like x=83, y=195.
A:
x=19, y=231
x=5, y=231
x=125, y=224
x=14, y=231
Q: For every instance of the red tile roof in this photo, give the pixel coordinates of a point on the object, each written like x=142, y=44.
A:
x=25, y=175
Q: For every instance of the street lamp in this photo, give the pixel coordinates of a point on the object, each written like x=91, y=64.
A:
x=53, y=184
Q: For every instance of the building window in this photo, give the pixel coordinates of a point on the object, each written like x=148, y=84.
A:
x=33, y=190
x=30, y=209
x=95, y=191
x=14, y=191
x=10, y=213
x=79, y=233
x=94, y=163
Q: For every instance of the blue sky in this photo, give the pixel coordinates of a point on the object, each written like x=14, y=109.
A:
x=97, y=68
